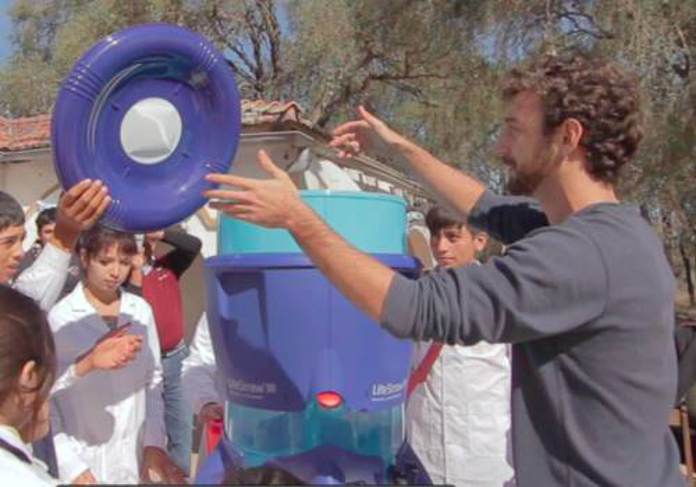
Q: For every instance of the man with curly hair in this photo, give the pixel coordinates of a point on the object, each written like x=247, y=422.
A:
x=584, y=292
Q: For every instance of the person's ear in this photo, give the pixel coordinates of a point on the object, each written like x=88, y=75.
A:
x=572, y=132
x=27, y=379
x=480, y=241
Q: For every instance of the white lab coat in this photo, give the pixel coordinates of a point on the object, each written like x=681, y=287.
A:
x=44, y=280
x=201, y=382
x=102, y=421
x=14, y=471
x=458, y=420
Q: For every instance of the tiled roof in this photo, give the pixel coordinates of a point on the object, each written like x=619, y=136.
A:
x=260, y=113
x=21, y=134
x=18, y=134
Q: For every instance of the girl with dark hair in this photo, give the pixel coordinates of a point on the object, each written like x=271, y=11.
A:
x=109, y=425
x=27, y=372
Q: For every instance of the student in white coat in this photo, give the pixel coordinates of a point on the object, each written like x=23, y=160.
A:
x=458, y=413
x=202, y=384
x=109, y=425
x=78, y=209
x=27, y=372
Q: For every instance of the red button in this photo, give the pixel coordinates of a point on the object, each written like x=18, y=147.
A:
x=329, y=399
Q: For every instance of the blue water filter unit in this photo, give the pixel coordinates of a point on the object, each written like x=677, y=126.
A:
x=373, y=222
x=312, y=384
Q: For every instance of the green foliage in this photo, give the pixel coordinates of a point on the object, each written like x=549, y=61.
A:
x=428, y=67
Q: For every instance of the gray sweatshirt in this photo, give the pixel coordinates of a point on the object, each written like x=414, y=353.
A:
x=588, y=305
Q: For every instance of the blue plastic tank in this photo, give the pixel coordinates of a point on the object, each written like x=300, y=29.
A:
x=284, y=339
x=373, y=222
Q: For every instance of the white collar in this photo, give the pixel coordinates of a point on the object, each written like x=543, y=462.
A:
x=11, y=436
x=80, y=304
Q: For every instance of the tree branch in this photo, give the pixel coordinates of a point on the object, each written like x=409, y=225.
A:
x=579, y=29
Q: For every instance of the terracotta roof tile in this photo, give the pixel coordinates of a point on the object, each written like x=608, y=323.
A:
x=17, y=134
x=27, y=133
x=261, y=112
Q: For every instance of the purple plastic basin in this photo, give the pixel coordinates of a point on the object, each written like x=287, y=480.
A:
x=178, y=69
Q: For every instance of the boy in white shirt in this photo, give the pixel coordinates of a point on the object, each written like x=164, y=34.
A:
x=458, y=413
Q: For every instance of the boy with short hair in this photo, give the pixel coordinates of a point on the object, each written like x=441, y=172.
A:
x=458, y=410
x=11, y=236
x=45, y=228
x=78, y=209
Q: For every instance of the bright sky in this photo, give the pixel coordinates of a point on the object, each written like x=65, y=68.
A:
x=5, y=26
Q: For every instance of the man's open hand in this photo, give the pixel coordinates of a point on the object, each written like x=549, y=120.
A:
x=269, y=202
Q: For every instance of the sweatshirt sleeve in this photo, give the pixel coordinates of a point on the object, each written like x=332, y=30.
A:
x=186, y=249
x=65, y=379
x=44, y=280
x=507, y=218
x=539, y=288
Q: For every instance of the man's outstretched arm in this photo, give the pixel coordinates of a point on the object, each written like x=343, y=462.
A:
x=503, y=300
x=275, y=203
x=368, y=133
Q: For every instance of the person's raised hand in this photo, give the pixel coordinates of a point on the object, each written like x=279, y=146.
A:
x=268, y=202
x=79, y=208
x=116, y=348
x=112, y=351
x=365, y=134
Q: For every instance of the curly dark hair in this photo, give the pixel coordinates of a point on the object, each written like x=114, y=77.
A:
x=599, y=95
